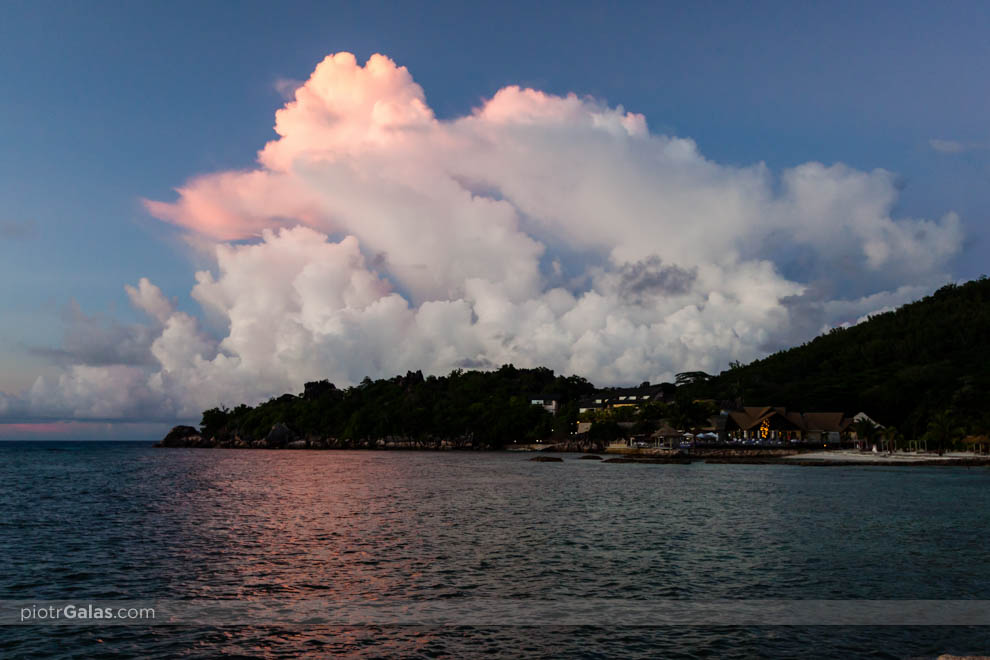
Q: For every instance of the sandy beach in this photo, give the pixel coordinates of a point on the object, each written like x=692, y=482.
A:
x=855, y=456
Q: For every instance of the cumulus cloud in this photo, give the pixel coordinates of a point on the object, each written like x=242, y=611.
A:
x=149, y=298
x=373, y=238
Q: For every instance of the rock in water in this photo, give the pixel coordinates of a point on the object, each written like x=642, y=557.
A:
x=547, y=459
x=181, y=436
x=280, y=436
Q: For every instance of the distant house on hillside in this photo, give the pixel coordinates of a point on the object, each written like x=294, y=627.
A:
x=621, y=397
x=592, y=403
x=777, y=424
x=633, y=396
x=550, y=402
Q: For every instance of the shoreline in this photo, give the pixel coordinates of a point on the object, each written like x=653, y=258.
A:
x=837, y=458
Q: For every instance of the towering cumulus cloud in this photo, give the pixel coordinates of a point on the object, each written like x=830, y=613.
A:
x=373, y=238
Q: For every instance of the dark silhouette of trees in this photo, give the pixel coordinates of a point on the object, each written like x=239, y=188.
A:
x=464, y=408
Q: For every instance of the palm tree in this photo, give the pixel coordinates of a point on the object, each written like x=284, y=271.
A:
x=865, y=430
x=942, y=430
x=891, y=435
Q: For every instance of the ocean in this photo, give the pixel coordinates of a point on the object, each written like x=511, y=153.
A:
x=464, y=554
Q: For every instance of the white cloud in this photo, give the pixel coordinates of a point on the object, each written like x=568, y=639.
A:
x=947, y=146
x=149, y=298
x=956, y=147
x=539, y=230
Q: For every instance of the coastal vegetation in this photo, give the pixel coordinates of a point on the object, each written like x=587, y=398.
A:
x=479, y=409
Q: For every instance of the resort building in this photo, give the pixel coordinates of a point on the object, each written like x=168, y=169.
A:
x=776, y=424
x=621, y=397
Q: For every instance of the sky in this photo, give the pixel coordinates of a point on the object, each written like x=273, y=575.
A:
x=622, y=192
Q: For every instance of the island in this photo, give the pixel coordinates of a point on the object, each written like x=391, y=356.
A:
x=906, y=387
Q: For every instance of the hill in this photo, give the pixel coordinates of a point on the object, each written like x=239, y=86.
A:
x=901, y=367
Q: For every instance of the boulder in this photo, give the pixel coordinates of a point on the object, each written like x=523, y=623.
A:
x=547, y=459
x=296, y=444
x=280, y=436
x=181, y=436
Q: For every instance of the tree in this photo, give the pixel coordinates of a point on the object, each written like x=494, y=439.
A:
x=866, y=431
x=942, y=431
x=213, y=422
x=892, y=436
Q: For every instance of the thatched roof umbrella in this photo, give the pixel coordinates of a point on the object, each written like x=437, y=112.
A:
x=665, y=432
x=980, y=443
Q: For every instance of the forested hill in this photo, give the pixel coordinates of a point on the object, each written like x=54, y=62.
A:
x=900, y=367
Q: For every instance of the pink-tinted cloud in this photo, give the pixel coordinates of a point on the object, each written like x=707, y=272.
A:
x=236, y=205
x=344, y=108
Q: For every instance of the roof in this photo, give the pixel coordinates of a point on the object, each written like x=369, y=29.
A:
x=752, y=416
x=666, y=431
x=825, y=421
x=649, y=393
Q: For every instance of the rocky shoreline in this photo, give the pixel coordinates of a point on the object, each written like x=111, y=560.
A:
x=282, y=437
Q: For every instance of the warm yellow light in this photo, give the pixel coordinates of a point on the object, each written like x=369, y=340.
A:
x=765, y=428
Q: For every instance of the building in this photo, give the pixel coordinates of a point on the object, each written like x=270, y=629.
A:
x=621, y=397
x=776, y=424
x=597, y=403
x=549, y=402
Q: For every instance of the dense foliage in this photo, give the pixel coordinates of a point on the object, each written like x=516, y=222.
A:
x=903, y=368
x=465, y=408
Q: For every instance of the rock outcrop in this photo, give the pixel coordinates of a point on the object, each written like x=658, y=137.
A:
x=181, y=436
x=280, y=436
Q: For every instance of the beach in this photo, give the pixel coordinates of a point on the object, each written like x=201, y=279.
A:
x=853, y=456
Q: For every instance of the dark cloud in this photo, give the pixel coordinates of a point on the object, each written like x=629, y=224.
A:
x=475, y=363
x=96, y=341
x=649, y=278
x=806, y=318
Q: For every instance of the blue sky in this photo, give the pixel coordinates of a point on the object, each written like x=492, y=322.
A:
x=104, y=104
